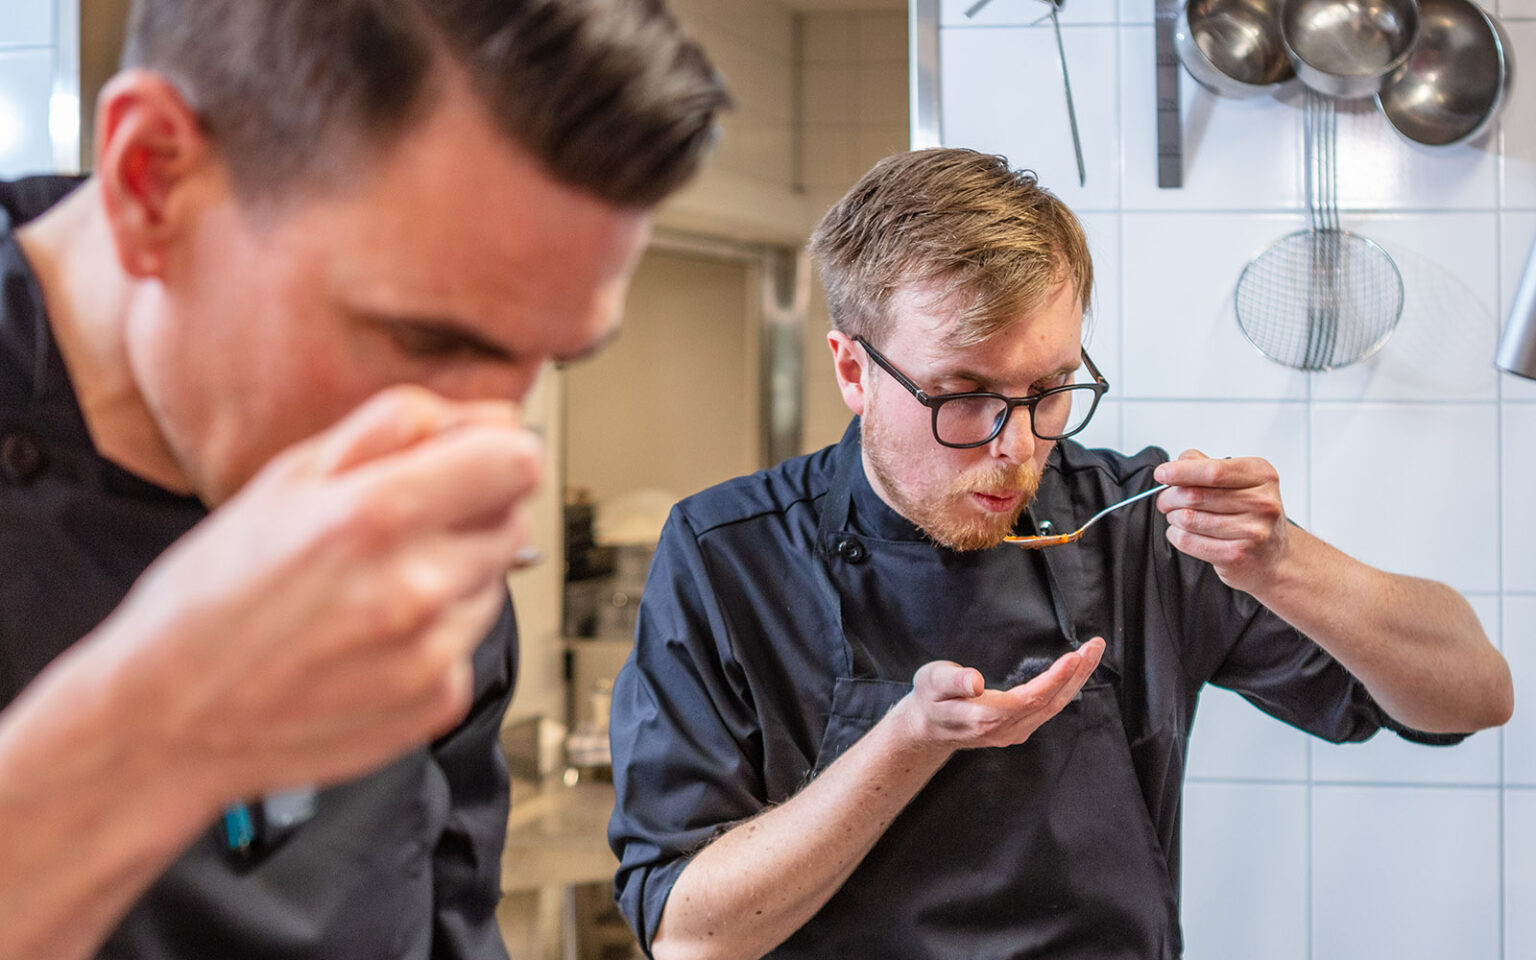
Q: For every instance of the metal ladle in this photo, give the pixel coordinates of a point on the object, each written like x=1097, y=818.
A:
x=1066, y=81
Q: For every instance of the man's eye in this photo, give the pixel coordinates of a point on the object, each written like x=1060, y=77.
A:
x=429, y=343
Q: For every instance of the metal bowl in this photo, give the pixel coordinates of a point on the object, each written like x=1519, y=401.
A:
x=1453, y=85
x=1233, y=47
x=1348, y=48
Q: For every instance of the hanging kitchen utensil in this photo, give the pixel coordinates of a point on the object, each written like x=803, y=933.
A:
x=1320, y=298
x=1066, y=84
x=1455, y=82
x=1348, y=48
x=1066, y=81
x=1233, y=47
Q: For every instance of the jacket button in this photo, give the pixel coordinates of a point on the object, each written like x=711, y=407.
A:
x=852, y=550
x=22, y=456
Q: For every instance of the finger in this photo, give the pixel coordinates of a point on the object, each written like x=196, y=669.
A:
x=1214, y=500
x=1089, y=656
x=1043, y=689
x=1219, y=553
x=397, y=418
x=1201, y=471
x=472, y=475
x=1082, y=663
x=944, y=680
x=1236, y=525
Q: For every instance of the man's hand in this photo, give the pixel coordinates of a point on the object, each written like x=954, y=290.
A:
x=950, y=706
x=1227, y=513
x=324, y=619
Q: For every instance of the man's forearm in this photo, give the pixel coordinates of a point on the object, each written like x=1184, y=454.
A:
x=1415, y=644
x=746, y=892
x=89, y=818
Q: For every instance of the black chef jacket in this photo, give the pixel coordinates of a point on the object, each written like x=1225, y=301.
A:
x=403, y=863
x=787, y=611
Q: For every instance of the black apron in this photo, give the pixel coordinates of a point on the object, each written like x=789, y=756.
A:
x=1044, y=849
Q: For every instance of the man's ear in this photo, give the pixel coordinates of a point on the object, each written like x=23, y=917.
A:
x=848, y=362
x=149, y=142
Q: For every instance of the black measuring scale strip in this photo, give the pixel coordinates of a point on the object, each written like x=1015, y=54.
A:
x=1170, y=136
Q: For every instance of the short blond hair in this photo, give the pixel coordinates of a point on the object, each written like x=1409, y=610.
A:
x=983, y=238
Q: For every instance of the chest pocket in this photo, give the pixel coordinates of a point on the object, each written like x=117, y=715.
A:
x=857, y=705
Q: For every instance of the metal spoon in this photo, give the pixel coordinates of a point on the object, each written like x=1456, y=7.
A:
x=1035, y=543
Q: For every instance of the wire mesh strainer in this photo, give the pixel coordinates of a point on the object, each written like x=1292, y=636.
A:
x=1320, y=298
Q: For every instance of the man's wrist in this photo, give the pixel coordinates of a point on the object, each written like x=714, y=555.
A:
x=909, y=733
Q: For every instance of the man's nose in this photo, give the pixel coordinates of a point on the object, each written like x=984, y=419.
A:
x=1017, y=440
x=506, y=382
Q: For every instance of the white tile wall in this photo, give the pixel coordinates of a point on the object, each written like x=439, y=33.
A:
x=1514, y=9
x=1245, y=872
x=1238, y=154
x=1022, y=12
x=1181, y=339
x=1385, y=475
x=1519, y=872
x=1102, y=327
x=26, y=81
x=27, y=23
x=1450, y=320
x=1378, y=169
x=1520, y=735
x=1234, y=740
x=1405, y=872
x=1401, y=850
x=1519, y=120
x=1519, y=472
x=1008, y=103
x=1104, y=429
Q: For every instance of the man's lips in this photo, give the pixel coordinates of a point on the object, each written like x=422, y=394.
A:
x=997, y=503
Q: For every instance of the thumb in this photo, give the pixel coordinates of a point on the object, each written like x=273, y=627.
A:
x=945, y=680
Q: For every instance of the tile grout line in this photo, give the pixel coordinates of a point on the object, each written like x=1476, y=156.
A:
x=1120, y=218
x=1498, y=278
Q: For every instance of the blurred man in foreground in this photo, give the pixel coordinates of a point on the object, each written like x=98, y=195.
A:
x=327, y=247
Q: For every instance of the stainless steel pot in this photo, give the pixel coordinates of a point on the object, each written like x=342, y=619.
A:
x=1456, y=81
x=1348, y=48
x=1233, y=47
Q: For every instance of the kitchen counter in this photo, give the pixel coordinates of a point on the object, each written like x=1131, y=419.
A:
x=559, y=836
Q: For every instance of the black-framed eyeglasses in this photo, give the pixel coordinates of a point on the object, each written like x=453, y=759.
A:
x=973, y=419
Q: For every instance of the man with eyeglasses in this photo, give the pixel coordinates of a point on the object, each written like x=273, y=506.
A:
x=858, y=724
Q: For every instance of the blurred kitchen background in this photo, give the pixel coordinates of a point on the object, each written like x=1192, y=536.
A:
x=1294, y=849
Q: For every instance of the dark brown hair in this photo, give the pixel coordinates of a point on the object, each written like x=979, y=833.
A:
x=976, y=236
x=609, y=95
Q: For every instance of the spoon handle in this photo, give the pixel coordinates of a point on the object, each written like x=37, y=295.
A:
x=1116, y=506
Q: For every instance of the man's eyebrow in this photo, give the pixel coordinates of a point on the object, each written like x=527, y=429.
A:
x=989, y=382
x=590, y=350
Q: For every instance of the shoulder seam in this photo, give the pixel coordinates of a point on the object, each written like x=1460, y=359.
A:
x=778, y=510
